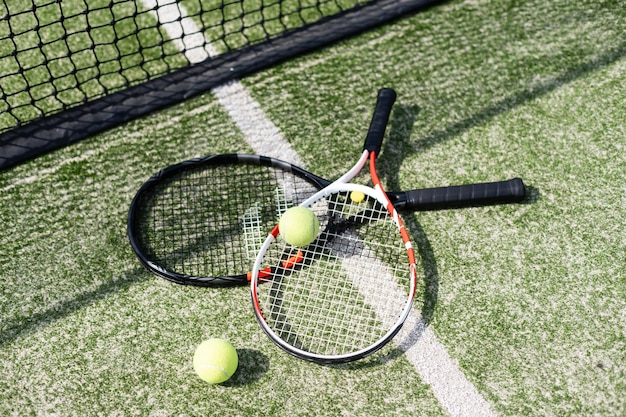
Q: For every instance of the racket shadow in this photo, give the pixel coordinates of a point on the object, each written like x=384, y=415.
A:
x=429, y=295
x=398, y=147
x=24, y=326
x=532, y=195
x=420, y=318
x=396, y=150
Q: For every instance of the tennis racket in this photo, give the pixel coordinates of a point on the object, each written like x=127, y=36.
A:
x=201, y=222
x=348, y=293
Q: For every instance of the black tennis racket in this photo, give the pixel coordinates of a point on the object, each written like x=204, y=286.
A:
x=201, y=222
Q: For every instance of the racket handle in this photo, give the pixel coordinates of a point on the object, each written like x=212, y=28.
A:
x=488, y=193
x=380, y=118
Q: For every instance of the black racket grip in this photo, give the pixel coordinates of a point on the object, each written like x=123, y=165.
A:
x=378, y=125
x=482, y=194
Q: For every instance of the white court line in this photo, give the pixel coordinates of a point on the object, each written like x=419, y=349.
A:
x=260, y=133
x=429, y=357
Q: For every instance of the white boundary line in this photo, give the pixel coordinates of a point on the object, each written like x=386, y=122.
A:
x=260, y=133
x=429, y=357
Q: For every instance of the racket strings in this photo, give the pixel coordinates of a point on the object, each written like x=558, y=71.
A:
x=351, y=287
x=211, y=221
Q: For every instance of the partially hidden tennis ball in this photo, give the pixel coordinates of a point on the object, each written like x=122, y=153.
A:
x=357, y=196
x=215, y=360
x=298, y=226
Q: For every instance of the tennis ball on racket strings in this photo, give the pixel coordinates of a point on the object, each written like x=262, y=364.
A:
x=215, y=360
x=298, y=226
x=357, y=196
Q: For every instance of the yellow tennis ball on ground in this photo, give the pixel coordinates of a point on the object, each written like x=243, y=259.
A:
x=357, y=196
x=298, y=226
x=215, y=360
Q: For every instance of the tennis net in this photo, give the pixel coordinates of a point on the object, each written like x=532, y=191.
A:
x=69, y=69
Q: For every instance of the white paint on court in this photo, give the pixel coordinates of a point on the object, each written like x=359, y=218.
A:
x=457, y=395
x=260, y=133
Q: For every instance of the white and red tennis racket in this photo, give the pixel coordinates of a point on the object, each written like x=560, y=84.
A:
x=348, y=293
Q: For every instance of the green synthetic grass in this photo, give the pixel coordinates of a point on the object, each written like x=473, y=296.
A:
x=529, y=300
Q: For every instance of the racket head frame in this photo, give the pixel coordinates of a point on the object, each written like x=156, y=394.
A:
x=321, y=358
x=149, y=188
x=346, y=339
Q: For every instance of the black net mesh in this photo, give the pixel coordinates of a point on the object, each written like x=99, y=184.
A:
x=58, y=55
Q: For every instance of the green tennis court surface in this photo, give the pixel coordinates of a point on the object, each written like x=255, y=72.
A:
x=529, y=300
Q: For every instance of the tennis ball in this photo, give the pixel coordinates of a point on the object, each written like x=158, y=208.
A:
x=357, y=196
x=215, y=360
x=299, y=226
